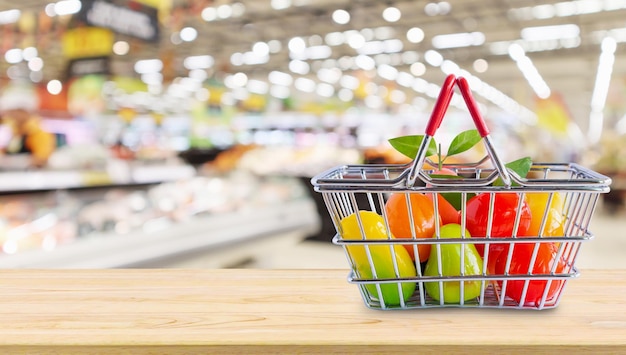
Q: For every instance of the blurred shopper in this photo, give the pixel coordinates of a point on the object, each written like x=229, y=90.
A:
x=18, y=108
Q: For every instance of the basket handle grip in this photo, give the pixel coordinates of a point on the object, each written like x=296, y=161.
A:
x=443, y=101
x=439, y=110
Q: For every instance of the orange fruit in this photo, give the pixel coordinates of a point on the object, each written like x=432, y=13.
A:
x=421, y=220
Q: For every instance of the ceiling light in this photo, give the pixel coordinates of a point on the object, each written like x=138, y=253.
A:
x=341, y=17
x=224, y=11
x=188, y=34
x=418, y=69
x=35, y=64
x=238, y=9
x=9, y=16
x=391, y=14
x=280, y=92
x=13, y=56
x=148, y=66
x=54, y=87
x=209, y=14
x=296, y=45
x=349, y=82
x=329, y=75
x=299, y=67
x=345, y=95
x=450, y=67
x=67, y=7
x=384, y=32
x=198, y=75
x=356, y=40
x=280, y=4
x=529, y=71
x=433, y=58
x=456, y=40
x=368, y=33
x=274, y=45
x=236, y=59
x=601, y=88
x=542, y=12
x=325, y=90
x=318, y=52
x=240, y=79
x=415, y=35
x=405, y=79
x=364, y=62
x=304, y=84
x=345, y=63
x=257, y=87
x=373, y=102
x=280, y=78
x=152, y=78
x=121, y=47
x=444, y=8
x=29, y=53
x=250, y=58
x=387, y=72
x=431, y=9
x=397, y=97
x=543, y=33
x=334, y=38
x=261, y=49
x=480, y=65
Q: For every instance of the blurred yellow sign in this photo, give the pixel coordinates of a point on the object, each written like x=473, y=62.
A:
x=552, y=114
x=84, y=42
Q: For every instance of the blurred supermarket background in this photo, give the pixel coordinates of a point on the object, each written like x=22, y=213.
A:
x=185, y=132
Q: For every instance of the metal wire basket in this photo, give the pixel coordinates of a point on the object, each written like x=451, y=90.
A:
x=497, y=267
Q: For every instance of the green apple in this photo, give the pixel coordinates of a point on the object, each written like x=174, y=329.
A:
x=450, y=255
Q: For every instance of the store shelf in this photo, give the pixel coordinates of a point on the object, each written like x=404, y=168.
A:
x=40, y=180
x=161, y=239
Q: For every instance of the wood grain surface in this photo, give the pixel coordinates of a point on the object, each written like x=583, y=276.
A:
x=245, y=311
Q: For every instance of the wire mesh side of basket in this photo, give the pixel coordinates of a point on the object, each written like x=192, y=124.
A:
x=349, y=189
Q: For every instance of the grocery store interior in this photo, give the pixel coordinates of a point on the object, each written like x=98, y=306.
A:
x=181, y=133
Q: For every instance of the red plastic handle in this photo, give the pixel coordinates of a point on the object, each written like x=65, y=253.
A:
x=480, y=124
x=443, y=101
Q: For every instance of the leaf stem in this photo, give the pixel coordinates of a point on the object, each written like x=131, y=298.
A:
x=439, y=161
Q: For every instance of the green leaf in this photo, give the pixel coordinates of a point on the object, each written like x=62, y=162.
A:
x=463, y=142
x=408, y=145
x=520, y=166
x=456, y=198
x=444, y=176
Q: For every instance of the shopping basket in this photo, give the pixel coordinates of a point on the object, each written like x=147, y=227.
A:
x=517, y=269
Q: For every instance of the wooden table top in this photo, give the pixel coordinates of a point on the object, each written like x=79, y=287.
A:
x=245, y=311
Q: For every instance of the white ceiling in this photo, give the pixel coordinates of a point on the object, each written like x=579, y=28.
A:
x=568, y=72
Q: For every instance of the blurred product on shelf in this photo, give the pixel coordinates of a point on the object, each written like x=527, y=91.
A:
x=29, y=145
x=296, y=161
x=611, y=161
x=46, y=221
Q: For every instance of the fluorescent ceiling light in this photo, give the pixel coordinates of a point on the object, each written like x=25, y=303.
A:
x=456, y=40
x=9, y=16
x=529, y=71
x=543, y=33
x=601, y=89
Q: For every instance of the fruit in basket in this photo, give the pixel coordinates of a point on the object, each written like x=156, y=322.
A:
x=520, y=263
x=445, y=200
x=538, y=202
x=447, y=212
x=373, y=227
x=450, y=259
x=421, y=220
x=505, y=211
